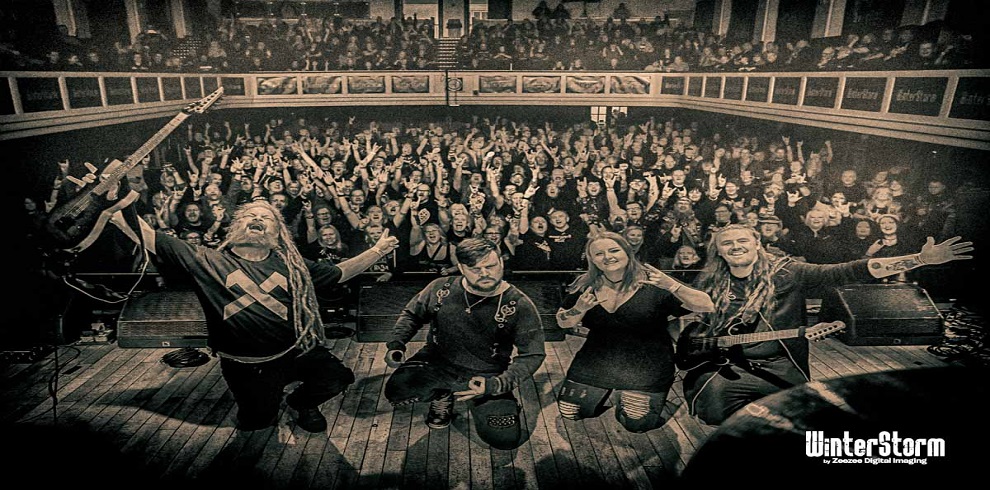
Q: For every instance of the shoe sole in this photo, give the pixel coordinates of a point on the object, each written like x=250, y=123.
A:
x=439, y=426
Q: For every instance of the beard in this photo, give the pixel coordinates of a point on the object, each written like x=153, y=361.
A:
x=241, y=235
x=486, y=285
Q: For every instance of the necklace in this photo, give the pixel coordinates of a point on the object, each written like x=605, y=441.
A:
x=471, y=305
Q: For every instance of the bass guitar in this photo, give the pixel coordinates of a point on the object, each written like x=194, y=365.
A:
x=76, y=224
x=694, y=350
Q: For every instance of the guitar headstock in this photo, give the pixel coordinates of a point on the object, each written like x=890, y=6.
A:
x=201, y=105
x=824, y=329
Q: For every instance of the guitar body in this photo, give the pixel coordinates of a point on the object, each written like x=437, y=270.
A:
x=75, y=225
x=695, y=349
x=77, y=228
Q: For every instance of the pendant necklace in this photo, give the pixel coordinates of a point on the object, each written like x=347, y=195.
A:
x=471, y=305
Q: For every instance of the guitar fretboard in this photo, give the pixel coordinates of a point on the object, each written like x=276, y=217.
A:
x=141, y=152
x=748, y=338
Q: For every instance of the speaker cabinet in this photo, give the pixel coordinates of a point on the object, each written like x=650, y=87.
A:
x=162, y=319
x=883, y=314
x=379, y=306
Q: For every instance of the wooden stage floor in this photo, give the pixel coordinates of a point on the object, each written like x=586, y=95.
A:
x=124, y=419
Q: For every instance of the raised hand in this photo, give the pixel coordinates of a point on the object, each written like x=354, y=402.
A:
x=947, y=251
x=386, y=244
x=587, y=300
x=658, y=278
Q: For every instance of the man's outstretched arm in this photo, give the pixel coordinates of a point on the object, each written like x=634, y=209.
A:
x=931, y=254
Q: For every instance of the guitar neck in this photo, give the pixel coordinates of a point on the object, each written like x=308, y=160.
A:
x=749, y=338
x=141, y=152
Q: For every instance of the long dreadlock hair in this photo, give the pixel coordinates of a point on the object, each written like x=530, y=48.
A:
x=715, y=279
x=305, y=313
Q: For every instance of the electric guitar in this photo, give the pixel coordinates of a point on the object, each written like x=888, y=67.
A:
x=694, y=350
x=76, y=224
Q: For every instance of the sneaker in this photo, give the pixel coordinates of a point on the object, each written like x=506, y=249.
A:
x=311, y=420
x=441, y=411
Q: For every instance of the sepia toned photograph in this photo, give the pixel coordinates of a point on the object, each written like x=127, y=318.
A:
x=495, y=244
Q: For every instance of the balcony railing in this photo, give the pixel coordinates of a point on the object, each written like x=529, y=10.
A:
x=946, y=107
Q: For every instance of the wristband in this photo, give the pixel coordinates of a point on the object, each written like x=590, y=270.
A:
x=674, y=289
x=920, y=262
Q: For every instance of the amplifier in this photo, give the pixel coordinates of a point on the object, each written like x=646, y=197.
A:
x=379, y=306
x=165, y=319
x=883, y=314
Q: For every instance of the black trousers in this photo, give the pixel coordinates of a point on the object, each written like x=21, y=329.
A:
x=716, y=393
x=425, y=377
x=258, y=388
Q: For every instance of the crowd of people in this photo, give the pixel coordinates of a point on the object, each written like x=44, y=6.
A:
x=535, y=189
x=554, y=43
x=552, y=40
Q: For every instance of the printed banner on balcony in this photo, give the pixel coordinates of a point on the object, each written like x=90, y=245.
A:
x=366, y=84
x=83, y=92
x=713, y=87
x=733, y=88
x=497, y=84
x=39, y=94
x=172, y=88
x=672, y=86
x=411, y=84
x=785, y=90
x=193, y=88
x=118, y=90
x=322, y=84
x=586, y=84
x=233, y=85
x=694, y=86
x=972, y=99
x=758, y=89
x=821, y=91
x=864, y=94
x=541, y=85
x=277, y=86
x=918, y=96
x=630, y=84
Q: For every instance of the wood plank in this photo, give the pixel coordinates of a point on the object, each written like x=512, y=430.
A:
x=198, y=440
x=30, y=386
x=417, y=452
x=381, y=424
x=481, y=459
x=392, y=470
x=116, y=386
x=459, y=449
x=316, y=446
x=590, y=467
x=153, y=414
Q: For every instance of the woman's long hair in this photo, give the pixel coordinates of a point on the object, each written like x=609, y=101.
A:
x=715, y=279
x=596, y=278
x=305, y=309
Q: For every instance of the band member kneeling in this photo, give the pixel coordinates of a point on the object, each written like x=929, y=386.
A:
x=625, y=305
x=475, y=321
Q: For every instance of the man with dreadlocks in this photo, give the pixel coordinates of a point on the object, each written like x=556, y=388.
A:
x=757, y=291
x=258, y=294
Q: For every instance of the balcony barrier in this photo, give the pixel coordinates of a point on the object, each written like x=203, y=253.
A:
x=949, y=107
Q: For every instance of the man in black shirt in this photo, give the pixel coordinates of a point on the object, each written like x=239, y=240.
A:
x=475, y=321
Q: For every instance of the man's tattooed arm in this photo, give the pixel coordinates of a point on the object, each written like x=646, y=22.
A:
x=889, y=266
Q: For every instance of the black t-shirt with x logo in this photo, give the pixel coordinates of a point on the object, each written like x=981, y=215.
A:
x=248, y=305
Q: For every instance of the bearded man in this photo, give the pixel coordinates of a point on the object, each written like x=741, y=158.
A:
x=757, y=291
x=475, y=321
x=263, y=321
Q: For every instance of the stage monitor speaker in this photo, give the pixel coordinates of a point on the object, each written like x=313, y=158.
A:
x=162, y=319
x=379, y=306
x=883, y=314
